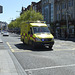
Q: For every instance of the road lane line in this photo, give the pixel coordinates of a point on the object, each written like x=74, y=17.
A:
x=17, y=50
x=73, y=48
x=52, y=67
x=22, y=51
x=15, y=42
x=10, y=47
x=12, y=50
x=63, y=49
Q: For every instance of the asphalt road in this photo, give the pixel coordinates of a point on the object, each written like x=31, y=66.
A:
x=42, y=61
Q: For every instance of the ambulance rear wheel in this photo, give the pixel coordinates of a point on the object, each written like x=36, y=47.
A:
x=23, y=42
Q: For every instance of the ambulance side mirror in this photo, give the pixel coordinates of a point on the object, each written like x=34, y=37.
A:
x=29, y=32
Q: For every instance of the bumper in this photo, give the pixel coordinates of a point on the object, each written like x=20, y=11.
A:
x=5, y=35
x=44, y=43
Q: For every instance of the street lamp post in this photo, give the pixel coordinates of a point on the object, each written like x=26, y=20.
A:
x=67, y=19
x=67, y=24
x=1, y=9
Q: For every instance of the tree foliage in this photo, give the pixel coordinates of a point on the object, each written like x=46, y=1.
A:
x=29, y=15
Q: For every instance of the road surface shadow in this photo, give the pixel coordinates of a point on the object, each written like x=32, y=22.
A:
x=28, y=47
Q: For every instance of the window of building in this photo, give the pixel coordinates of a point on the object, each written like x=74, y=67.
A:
x=63, y=5
x=46, y=15
x=52, y=12
x=58, y=17
x=70, y=3
x=71, y=16
x=42, y=11
x=46, y=1
x=63, y=15
x=58, y=7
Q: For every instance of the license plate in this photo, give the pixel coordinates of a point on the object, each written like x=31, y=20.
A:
x=46, y=44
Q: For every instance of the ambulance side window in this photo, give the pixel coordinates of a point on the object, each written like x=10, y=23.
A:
x=31, y=31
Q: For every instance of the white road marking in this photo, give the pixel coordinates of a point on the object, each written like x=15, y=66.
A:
x=52, y=67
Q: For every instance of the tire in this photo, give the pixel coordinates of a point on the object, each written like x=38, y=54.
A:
x=33, y=45
x=50, y=47
x=24, y=42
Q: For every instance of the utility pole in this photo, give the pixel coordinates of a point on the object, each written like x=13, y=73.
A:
x=67, y=19
x=1, y=27
x=67, y=24
x=1, y=9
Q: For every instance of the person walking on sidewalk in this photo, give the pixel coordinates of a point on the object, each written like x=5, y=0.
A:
x=57, y=34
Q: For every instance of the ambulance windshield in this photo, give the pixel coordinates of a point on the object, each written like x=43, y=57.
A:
x=41, y=30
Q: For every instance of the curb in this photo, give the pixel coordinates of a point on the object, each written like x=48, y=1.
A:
x=1, y=41
x=18, y=67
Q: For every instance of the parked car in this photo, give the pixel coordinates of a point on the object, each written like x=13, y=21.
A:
x=5, y=34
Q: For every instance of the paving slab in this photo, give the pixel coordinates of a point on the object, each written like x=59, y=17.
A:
x=1, y=39
x=7, y=66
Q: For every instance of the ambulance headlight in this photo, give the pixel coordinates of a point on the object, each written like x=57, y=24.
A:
x=37, y=39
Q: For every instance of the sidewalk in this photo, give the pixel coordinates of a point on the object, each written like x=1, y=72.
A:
x=6, y=64
x=0, y=39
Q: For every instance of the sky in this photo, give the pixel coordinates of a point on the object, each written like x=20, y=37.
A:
x=10, y=8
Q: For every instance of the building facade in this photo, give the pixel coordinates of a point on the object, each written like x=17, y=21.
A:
x=65, y=17
x=37, y=6
x=46, y=6
x=25, y=9
x=59, y=14
x=3, y=26
x=48, y=11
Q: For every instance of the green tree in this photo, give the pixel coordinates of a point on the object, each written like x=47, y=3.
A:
x=29, y=15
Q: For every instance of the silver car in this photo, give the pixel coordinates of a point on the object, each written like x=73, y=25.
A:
x=5, y=34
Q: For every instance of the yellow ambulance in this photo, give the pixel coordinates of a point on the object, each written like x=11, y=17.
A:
x=36, y=34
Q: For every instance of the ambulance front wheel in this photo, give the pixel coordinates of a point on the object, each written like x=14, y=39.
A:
x=33, y=45
x=50, y=47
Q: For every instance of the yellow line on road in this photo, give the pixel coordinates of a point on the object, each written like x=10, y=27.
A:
x=10, y=47
x=73, y=48
x=23, y=51
x=12, y=50
x=63, y=49
x=17, y=50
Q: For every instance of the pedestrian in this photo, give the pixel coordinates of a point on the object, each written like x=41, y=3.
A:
x=56, y=33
